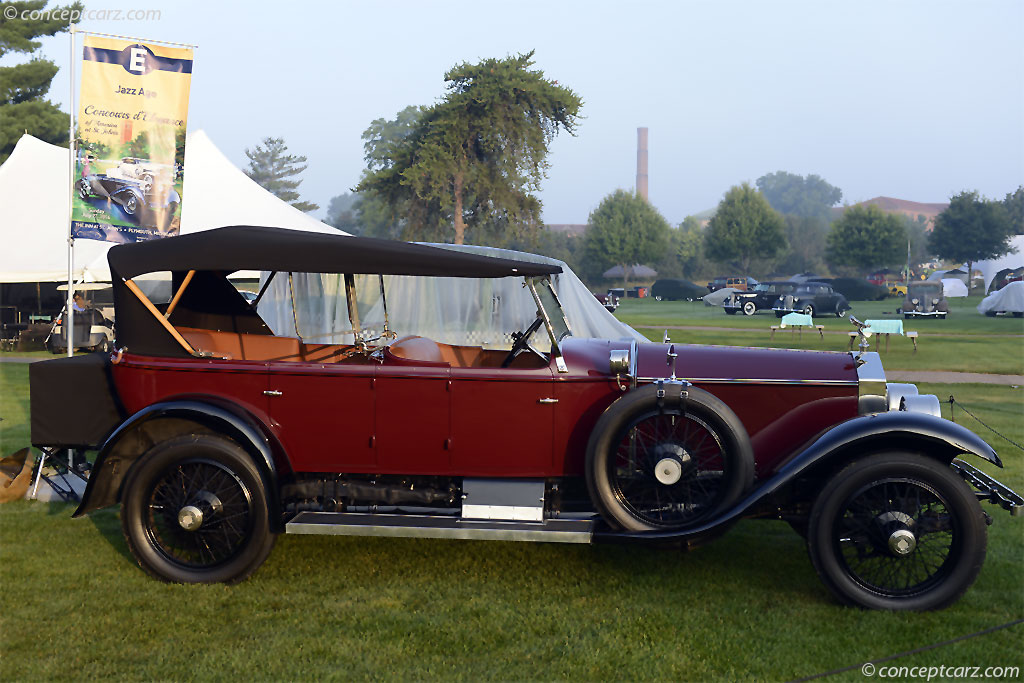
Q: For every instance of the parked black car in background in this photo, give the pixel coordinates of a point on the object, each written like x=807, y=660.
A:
x=812, y=298
x=761, y=298
x=672, y=289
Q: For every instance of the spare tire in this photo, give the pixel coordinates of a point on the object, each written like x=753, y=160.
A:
x=667, y=464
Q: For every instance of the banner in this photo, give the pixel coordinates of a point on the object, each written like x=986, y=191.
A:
x=130, y=142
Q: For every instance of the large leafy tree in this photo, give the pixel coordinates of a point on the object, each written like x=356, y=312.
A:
x=476, y=157
x=807, y=196
x=624, y=230
x=744, y=228
x=867, y=237
x=276, y=171
x=970, y=229
x=1014, y=204
x=23, y=87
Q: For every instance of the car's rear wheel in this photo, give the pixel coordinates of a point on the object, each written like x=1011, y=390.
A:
x=749, y=308
x=667, y=463
x=897, y=531
x=841, y=311
x=195, y=511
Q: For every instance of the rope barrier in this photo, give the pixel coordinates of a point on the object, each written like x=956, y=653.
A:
x=953, y=402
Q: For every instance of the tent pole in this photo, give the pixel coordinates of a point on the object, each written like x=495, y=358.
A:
x=69, y=313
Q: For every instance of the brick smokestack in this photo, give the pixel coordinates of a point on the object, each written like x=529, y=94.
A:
x=641, y=162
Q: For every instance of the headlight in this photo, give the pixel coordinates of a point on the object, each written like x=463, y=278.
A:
x=915, y=301
x=935, y=302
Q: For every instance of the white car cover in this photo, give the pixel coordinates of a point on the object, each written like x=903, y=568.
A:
x=1009, y=299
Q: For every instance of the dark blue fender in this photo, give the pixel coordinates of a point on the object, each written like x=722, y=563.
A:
x=112, y=463
x=894, y=430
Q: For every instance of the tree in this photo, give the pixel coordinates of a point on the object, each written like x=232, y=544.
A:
x=685, y=253
x=477, y=156
x=1014, y=204
x=343, y=213
x=745, y=227
x=805, y=236
x=971, y=229
x=867, y=237
x=624, y=230
x=809, y=197
x=23, y=87
x=276, y=171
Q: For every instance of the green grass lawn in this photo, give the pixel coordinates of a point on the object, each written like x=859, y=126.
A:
x=748, y=606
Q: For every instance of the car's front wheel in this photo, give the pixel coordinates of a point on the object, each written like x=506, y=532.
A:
x=195, y=511
x=808, y=310
x=667, y=463
x=897, y=531
x=749, y=308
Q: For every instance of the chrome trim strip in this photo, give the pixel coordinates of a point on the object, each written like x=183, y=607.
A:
x=426, y=526
x=745, y=380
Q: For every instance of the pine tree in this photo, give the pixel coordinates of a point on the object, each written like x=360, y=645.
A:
x=23, y=87
x=274, y=169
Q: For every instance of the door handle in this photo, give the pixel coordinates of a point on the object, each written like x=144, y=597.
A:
x=273, y=392
x=548, y=400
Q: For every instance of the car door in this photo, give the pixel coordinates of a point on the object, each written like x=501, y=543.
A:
x=502, y=421
x=323, y=415
x=411, y=418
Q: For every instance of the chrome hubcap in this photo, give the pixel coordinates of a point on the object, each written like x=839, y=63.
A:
x=902, y=542
x=190, y=518
x=668, y=471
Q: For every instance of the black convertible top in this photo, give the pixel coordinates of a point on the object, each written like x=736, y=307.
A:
x=243, y=247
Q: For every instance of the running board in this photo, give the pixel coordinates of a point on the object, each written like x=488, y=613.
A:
x=433, y=526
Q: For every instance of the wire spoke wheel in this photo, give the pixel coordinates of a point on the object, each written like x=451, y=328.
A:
x=667, y=463
x=879, y=513
x=897, y=531
x=224, y=502
x=668, y=468
x=195, y=511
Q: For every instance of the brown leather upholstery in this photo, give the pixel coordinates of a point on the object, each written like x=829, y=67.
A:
x=243, y=346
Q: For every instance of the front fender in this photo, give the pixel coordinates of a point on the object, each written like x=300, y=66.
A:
x=113, y=462
x=901, y=430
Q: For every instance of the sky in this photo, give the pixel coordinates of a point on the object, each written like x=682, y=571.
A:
x=907, y=99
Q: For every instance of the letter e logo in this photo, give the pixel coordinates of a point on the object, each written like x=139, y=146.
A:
x=138, y=60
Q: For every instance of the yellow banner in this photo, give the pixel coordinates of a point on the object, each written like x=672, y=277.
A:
x=130, y=142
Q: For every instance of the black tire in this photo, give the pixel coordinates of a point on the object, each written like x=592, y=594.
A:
x=942, y=316
x=907, y=316
x=730, y=311
x=103, y=346
x=131, y=205
x=699, y=436
x=841, y=312
x=749, y=308
x=1018, y=314
x=83, y=190
x=808, y=310
x=215, y=476
x=853, y=527
x=779, y=314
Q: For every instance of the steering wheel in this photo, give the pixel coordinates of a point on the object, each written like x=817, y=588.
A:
x=521, y=343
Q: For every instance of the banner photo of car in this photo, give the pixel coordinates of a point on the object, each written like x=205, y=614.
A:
x=130, y=141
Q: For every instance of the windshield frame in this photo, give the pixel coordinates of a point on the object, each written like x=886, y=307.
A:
x=536, y=285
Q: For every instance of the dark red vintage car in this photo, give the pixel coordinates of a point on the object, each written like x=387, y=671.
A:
x=215, y=435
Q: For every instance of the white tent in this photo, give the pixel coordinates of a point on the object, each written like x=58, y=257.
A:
x=34, y=193
x=953, y=287
x=1012, y=259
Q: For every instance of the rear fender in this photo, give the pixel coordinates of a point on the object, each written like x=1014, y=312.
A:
x=895, y=430
x=130, y=440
